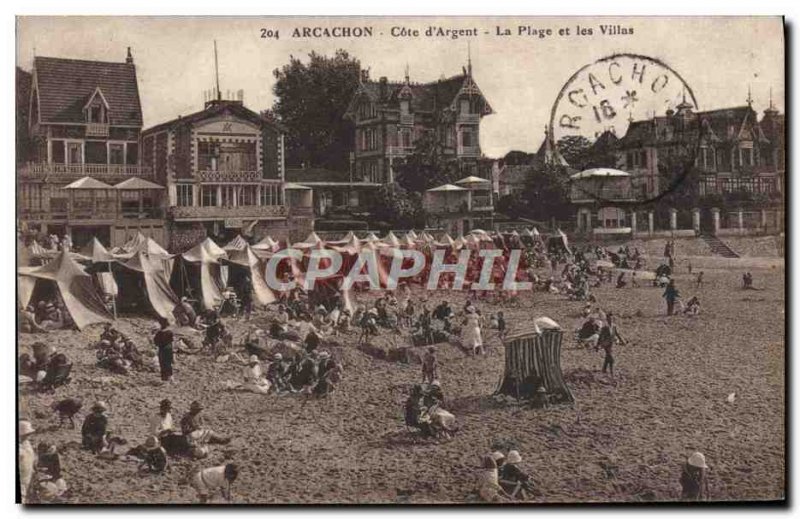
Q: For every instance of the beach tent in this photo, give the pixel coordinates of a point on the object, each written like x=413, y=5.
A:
x=344, y=241
x=312, y=240
x=141, y=278
x=558, y=243
x=199, y=274
x=267, y=244
x=65, y=277
x=411, y=234
x=238, y=243
x=246, y=262
x=447, y=241
x=391, y=240
x=95, y=252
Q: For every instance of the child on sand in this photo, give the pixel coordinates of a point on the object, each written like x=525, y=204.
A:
x=208, y=481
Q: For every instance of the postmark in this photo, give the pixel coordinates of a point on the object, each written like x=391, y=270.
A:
x=626, y=106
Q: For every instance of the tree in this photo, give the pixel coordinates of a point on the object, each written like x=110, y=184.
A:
x=311, y=99
x=397, y=207
x=426, y=166
x=575, y=149
x=546, y=193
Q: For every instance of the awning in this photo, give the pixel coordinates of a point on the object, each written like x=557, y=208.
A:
x=88, y=183
x=137, y=183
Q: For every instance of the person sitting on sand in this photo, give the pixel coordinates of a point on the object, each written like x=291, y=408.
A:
x=692, y=307
x=162, y=423
x=694, y=480
x=154, y=457
x=281, y=322
x=344, y=321
x=254, y=380
x=185, y=314
x=489, y=488
x=513, y=479
x=95, y=425
x=28, y=321
x=193, y=426
x=208, y=481
x=430, y=369
x=276, y=373
x=51, y=481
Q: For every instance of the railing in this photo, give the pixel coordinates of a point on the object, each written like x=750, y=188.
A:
x=61, y=212
x=97, y=130
x=469, y=151
x=120, y=171
x=399, y=151
x=406, y=119
x=303, y=212
x=228, y=176
x=751, y=185
x=481, y=203
x=218, y=213
x=468, y=118
x=605, y=193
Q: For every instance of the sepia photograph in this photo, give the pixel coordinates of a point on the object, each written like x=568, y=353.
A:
x=406, y=260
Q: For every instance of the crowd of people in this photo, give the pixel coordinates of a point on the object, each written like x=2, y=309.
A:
x=290, y=356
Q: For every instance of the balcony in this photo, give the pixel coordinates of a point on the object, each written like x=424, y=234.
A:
x=301, y=212
x=399, y=151
x=468, y=118
x=406, y=119
x=221, y=213
x=61, y=209
x=469, y=151
x=69, y=172
x=228, y=176
x=482, y=203
x=97, y=130
x=584, y=193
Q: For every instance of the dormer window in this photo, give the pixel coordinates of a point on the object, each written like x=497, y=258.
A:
x=96, y=109
x=404, y=107
x=465, y=108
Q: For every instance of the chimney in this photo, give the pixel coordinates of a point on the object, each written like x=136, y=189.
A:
x=129, y=59
x=383, y=87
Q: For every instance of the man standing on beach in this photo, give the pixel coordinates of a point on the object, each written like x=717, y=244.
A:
x=671, y=294
x=608, y=335
x=163, y=341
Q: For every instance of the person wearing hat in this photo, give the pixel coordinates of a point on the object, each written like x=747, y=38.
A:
x=27, y=457
x=328, y=373
x=155, y=457
x=51, y=482
x=671, y=294
x=344, y=321
x=276, y=372
x=254, y=380
x=185, y=314
x=694, y=479
x=246, y=297
x=163, y=340
x=193, y=426
x=471, y=337
x=162, y=422
x=489, y=488
x=94, y=428
x=430, y=365
x=208, y=481
x=512, y=478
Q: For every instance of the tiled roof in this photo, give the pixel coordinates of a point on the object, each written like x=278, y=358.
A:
x=66, y=85
x=425, y=97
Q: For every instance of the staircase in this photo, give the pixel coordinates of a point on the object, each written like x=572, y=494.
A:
x=718, y=246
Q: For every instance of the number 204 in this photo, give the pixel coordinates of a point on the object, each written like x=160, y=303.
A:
x=269, y=33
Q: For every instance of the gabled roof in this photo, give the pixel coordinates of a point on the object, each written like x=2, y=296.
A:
x=599, y=173
x=424, y=97
x=472, y=180
x=137, y=183
x=88, y=183
x=66, y=85
x=216, y=109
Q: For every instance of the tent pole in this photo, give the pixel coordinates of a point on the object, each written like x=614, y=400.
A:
x=113, y=296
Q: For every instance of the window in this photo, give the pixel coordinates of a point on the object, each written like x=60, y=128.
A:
x=207, y=156
x=629, y=160
x=464, y=107
x=643, y=158
x=74, y=153
x=96, y=152
x=130, y=202
x=132, y=153
x=467, y=139
x=405, y=138
x=95, y=113
x=247, y=195
x=270, y=195
x=57, y=150
x=747, y=154
x=116, y=154
x=228, y=196
x=404, y=107
x=185, y=195
x=208, y=196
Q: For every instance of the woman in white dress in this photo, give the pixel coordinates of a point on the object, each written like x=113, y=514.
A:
x=472, y=332
x=254, y=380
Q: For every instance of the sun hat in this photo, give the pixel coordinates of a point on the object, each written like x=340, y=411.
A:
x=698, y=460
x=497, y=456
x=253, y=359
x=277, y=356
x=436, y=383
x=165, y=404
x=152, y=443
x=513, y=457
x=324, y=354
x=25, y=428
x=100, y=406
x=196, y=406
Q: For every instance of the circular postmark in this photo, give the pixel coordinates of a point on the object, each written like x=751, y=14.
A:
x=629, y=124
